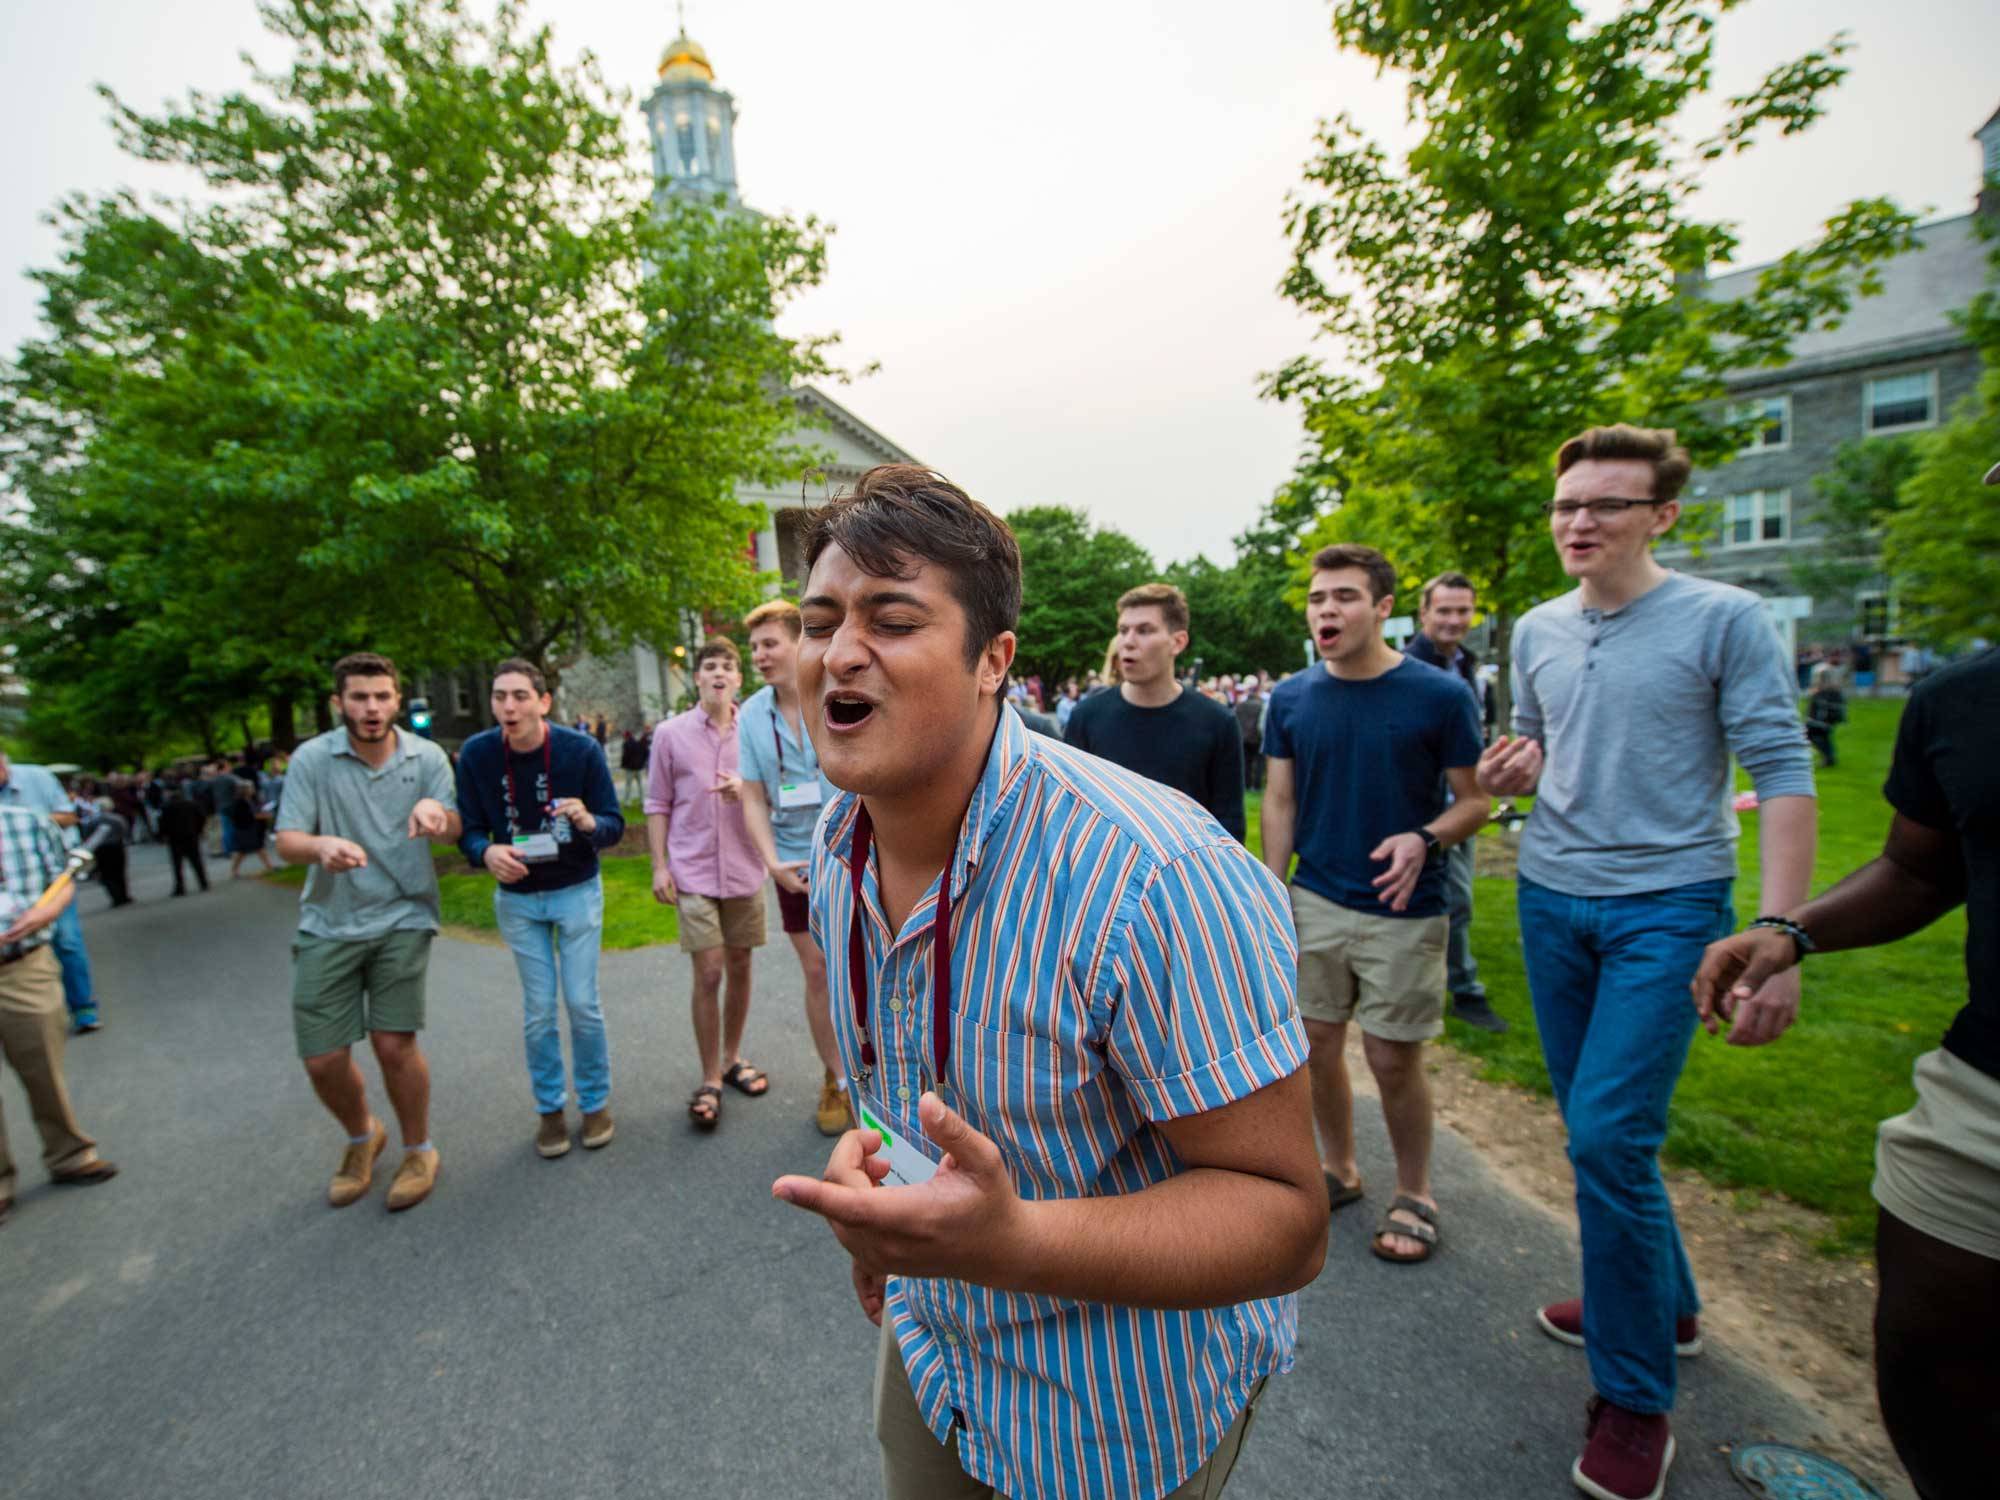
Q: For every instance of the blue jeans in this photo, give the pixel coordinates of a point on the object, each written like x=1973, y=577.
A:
x=1609, y=976
x=67, y=940
x=542, y=927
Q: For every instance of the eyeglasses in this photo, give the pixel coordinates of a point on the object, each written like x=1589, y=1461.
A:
x=1610, y=505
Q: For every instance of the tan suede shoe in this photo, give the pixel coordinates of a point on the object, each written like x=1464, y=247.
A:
x=357, y=1168
x=414, y=1180
x=598, y=1128
x=552, y=1139
x=832, y=1117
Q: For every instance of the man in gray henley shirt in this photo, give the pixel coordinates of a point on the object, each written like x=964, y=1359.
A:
x=1630, y=695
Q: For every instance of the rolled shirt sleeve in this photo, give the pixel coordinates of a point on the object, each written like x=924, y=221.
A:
x=1205, y=982
x=660, y=773
x=1759, y=710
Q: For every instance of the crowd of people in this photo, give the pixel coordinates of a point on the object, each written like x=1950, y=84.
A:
x=1084, y=1055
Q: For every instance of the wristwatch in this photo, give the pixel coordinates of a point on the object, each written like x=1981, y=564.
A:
x=1431, y=844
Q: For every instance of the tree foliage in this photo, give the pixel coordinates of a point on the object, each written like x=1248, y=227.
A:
x=426, y=369
x=1942, y=542
x=1071, y=576
x=1522, y=273
x=1853, y=498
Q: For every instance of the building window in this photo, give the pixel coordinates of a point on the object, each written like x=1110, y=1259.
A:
x=1894, y=403
x=1773, y=416
x=461, y=695
x=684, y=132
x=1757, y=518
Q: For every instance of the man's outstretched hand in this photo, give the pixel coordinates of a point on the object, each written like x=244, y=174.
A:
x=1751, y=980
x=966, y=1221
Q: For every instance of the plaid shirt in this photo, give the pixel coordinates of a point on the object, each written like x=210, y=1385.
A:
x=1118, y=961
x=31, y=855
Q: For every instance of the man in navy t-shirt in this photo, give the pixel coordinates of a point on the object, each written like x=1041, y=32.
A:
x=1358, y=752
x=538, y=805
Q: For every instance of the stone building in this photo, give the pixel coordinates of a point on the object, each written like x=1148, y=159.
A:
x=692, y=126
x=1897, y=364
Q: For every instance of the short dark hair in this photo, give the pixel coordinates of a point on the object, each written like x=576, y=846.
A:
x=1651, y=445
x=1381, y=574
x=1445, y=580
x=1168, y=600
x=899, y=515
x=364, y=664
x=524, y=668
x=718, y=645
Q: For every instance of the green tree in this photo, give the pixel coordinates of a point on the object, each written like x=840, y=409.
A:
x=1242, y=619
x=1521, y=273
x=446, y=375
x=1941, y=544
x=1071, y=576
x=1854, y=497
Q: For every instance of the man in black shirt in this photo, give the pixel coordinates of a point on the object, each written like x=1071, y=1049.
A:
x=1151, y=724
x=1937, y=1168
x=1444, y=614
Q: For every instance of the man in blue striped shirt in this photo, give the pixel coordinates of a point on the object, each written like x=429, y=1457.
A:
x=1085, y=1186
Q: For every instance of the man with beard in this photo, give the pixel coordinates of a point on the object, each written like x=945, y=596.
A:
x=362, y=803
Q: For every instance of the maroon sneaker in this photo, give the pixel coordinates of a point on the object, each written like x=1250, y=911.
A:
x=1563, y=1321
x=1625, y=1455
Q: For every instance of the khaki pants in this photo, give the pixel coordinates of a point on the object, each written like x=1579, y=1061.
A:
x=32, y=1023
x=916, y=1466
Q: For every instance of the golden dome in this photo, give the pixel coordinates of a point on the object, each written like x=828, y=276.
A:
x=684, y=58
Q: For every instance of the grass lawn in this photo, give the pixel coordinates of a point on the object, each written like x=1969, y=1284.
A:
x=1797, y=1117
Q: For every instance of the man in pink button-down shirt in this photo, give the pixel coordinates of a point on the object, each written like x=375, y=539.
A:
x=705, y=864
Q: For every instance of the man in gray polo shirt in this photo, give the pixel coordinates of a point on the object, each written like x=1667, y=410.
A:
x=362, y=804
x=1630, y=695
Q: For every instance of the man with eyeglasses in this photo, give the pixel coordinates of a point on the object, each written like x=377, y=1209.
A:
x=1630, y=695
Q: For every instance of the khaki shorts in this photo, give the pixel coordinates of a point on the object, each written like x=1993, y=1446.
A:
x=721, y=921
x=1937, y=1168
x=342, y=989
x=1388, y=973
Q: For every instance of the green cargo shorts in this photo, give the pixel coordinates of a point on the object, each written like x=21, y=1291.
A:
x=342, y=989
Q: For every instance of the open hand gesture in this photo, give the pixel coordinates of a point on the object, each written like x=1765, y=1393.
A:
x=966, y=1222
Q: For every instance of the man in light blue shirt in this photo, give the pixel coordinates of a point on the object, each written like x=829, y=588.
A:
x=783, y=792
x=36, y=789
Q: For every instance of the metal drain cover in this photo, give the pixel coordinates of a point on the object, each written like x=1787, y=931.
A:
x=1782, y=1472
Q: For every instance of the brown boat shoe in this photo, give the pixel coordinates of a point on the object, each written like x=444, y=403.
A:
x=598, y=1128
x=552, y=1139
x=414, y=1180
x=357, y=1167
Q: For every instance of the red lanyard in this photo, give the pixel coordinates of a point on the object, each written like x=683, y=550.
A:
x=507, y=765
x=857, y=950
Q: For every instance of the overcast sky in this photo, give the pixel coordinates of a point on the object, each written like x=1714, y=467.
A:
x=1058, y=223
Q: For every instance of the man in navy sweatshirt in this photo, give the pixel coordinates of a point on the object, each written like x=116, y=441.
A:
x=538, y=804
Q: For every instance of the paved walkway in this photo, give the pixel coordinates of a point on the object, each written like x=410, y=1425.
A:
x=641, y=1321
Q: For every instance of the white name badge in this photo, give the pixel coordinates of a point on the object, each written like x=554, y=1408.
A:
x=908, y=1162
x=535, y=848
x=798, y=794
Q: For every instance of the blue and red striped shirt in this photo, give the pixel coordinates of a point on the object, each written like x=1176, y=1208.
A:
x=1118, y=959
